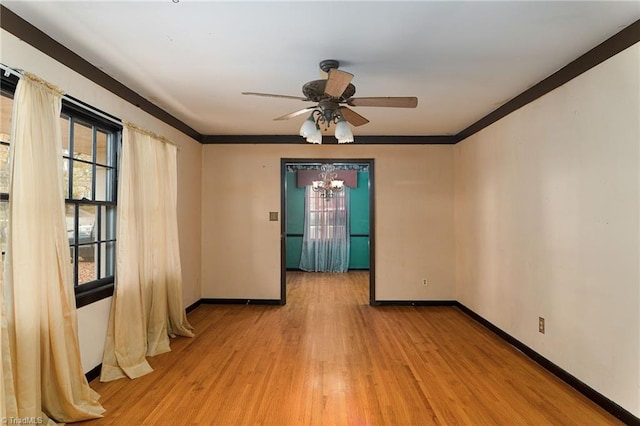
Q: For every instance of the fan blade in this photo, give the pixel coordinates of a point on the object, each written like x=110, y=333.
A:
x=394, y=102
x=353, y=117
x=271, y=95
x=295, y=114
x=337, y=82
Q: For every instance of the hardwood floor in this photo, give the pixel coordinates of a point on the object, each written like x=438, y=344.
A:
x=327, y=357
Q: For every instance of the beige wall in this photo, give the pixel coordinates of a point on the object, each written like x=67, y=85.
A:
x=93, y=318
x=547, y=224
x=413, y=224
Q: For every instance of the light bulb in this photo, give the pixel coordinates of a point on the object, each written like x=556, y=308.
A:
x=308, y=127
x=315, y=136
x=343, y=132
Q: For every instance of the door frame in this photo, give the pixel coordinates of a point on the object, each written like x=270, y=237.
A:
x=283, y=219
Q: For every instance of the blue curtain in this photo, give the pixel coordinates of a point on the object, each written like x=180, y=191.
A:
x=325, y=242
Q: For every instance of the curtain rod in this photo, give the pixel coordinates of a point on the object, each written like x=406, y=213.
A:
x=7, y=71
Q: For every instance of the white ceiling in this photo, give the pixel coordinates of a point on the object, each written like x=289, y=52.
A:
x=461, y=59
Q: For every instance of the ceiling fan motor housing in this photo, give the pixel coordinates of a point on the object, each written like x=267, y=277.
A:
x=328, y=64
x=314, y=90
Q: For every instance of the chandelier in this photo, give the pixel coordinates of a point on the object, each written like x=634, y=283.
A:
x=325, y=115
x=328, y=183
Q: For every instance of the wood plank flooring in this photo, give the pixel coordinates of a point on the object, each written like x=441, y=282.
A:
x=328, y=358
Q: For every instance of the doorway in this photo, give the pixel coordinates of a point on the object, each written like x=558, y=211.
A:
x=287, y=245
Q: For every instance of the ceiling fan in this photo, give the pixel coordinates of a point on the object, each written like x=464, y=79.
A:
x=331, y=96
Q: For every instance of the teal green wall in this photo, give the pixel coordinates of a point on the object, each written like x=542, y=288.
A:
x=359, y=222
x=295, y=221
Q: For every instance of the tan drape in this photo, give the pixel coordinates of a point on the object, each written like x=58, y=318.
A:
x=147, y=303
x=41, y=313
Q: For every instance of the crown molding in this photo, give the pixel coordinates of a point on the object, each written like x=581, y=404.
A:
x=329, y=140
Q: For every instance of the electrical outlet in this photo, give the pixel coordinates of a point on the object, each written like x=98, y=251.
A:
x=425, y=282
x=541, y=325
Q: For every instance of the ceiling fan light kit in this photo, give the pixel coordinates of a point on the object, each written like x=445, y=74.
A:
x=330, y=95
x=311, y=127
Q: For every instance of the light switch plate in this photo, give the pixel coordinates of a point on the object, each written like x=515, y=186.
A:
x=273, y=216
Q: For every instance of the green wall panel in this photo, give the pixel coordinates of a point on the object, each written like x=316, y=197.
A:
x=294, y=248
x=359, y=201
x=359, y=253
x=295, y=206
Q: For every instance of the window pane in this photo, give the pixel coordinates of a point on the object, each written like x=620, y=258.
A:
x=101, y=148
x=70, y=211
x=6, y=109
x=87, y=219
x=65, y=175
x=64, y=131
x=4, y=223
x=82, y=142
x=87, y=252
x=108, y=223
x=103, y=184
x=82, y=179
x=86, y=268
x=4, y=168
x=73, y=266
x=107, y=254
x=110, y=185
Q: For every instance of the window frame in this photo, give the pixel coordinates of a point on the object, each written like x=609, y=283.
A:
x=75, y=110
x=95, y=290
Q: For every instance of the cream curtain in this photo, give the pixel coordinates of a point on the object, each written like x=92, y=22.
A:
x=41, y=321
x=8, y=407
x=147, y=304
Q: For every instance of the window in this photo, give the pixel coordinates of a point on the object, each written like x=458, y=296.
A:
x=326, y=215
x=89, y=163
